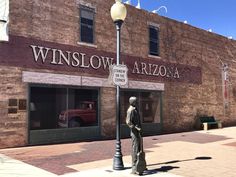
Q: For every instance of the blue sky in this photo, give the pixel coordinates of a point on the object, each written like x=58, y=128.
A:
x=218, y=15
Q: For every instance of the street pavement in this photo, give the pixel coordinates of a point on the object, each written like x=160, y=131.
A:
x=209, y=153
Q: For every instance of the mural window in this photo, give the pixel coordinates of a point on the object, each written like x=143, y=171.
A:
x=52, y=107
x=149, y=105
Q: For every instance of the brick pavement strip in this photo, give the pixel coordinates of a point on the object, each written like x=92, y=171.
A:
x=188, y=154
x=14, y=168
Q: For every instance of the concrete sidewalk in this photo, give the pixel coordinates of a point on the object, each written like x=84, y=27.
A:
x=188, y=154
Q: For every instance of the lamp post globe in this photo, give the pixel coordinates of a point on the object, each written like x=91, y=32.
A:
x=118, y=11
x=118, y=15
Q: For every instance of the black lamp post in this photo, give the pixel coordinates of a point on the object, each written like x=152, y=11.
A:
x=118, y=14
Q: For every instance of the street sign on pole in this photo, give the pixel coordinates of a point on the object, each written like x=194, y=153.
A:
x=119, y=74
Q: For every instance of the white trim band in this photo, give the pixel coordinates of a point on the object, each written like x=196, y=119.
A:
x=63, y=79
x=49, y=78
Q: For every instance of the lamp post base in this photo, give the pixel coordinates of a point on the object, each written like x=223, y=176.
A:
x=118, y=163
x=117, y=160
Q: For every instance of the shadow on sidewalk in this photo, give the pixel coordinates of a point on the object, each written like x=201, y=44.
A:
x=162, y=169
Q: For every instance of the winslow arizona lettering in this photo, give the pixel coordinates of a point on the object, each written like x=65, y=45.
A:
x=82, y=60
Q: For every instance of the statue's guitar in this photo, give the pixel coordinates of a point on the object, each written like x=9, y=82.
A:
x=141, y=164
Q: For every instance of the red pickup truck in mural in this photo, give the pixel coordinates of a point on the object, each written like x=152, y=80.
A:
x=85, y=115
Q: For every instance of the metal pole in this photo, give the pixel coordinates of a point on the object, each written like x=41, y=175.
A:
x=117, y=161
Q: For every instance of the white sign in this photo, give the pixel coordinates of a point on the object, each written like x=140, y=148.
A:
x=119, y=75
x=4, y=13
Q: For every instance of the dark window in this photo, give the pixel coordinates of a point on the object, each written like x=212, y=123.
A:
x=87, y=24
x=153, y=40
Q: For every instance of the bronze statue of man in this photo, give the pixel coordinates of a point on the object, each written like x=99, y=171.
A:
x=133, y=121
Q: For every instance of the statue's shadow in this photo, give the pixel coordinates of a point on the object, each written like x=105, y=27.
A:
x=161, y=169
x=167, y=167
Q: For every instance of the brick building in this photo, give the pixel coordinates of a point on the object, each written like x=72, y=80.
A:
x=55, y=67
